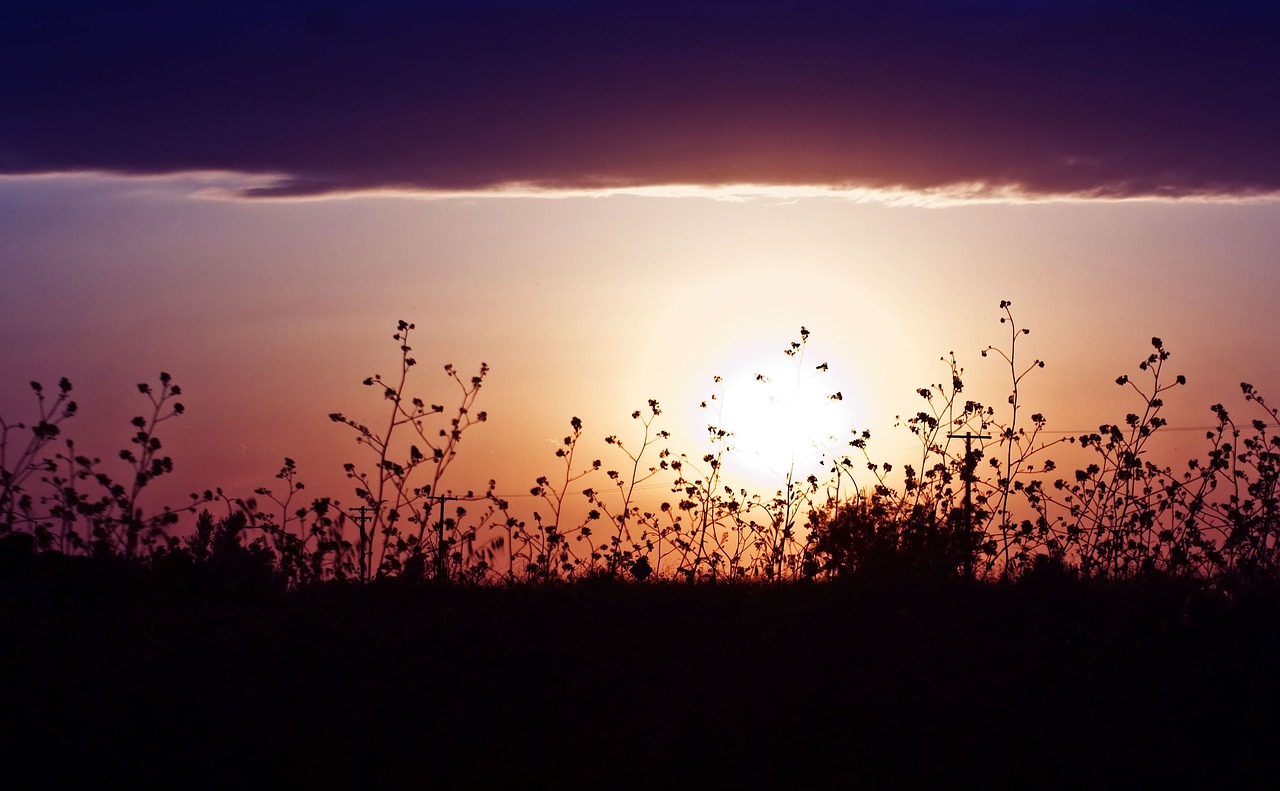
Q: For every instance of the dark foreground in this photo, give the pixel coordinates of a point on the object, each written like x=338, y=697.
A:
x=109, y=676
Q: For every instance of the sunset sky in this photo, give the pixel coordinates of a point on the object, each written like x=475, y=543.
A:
x=612, y=202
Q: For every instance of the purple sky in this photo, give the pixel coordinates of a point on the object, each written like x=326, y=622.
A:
x=1103, y=98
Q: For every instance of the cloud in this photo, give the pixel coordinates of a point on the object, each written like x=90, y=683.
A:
x=1109, y=99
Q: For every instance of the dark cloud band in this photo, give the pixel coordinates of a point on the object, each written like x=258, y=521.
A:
x=1113, y=99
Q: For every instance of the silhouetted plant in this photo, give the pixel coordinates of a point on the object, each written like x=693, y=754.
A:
x=552, y=540
x=309, y=540
x=1018, y=541
x=623, y=548
x=945, y=493
x=930, y=494
x=783, y=549
x=780, y=552
x=146, y=464
x=1116, y=503
x=81, y=507
x=716, y=530
x=397, y=492
x=705, y=501
x=20, y=459
x=1234, y=497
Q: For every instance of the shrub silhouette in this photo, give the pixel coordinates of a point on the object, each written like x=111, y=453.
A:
x=215, y=558
x=884, y=537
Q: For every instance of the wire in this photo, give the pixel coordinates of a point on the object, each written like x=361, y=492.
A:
x=1153, y=431
x=513, y=496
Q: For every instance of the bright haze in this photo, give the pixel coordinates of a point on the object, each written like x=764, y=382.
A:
x=610, y=202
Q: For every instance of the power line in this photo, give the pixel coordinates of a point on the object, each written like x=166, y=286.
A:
x=1162, y=429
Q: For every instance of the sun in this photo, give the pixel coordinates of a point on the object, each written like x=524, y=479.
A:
x=784, y=416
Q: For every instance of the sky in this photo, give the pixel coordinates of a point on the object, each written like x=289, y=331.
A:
x=613, y=202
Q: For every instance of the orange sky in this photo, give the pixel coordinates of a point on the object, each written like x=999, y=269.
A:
x=269, y=314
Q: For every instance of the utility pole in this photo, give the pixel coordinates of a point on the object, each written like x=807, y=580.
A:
x=361, y=516
x=967, y=476
x=440, y=556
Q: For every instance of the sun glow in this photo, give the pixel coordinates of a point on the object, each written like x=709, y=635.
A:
x=785, y=416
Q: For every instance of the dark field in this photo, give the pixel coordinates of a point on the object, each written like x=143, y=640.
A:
x=121, y=675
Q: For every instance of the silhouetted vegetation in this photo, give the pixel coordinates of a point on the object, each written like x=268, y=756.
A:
x=993, y=508
x=974, y=615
